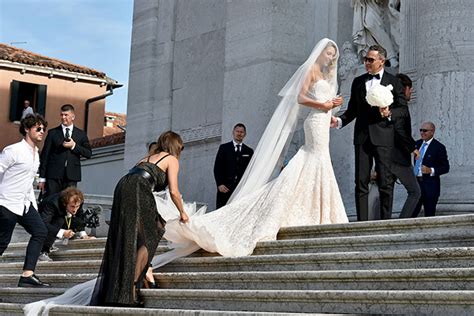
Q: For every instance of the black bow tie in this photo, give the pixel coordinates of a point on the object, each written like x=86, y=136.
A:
x=376, y=76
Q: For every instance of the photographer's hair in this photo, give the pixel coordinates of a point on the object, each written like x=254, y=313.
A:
x=67, y=108
x=170, y=142
x=31, y=120
x=71, y=193
x=240, y=125
x=380, y=49
x=405, y=80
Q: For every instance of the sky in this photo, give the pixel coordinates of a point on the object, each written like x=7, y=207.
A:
x=91, y=33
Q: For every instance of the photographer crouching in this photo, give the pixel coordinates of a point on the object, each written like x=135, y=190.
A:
x=64, y=218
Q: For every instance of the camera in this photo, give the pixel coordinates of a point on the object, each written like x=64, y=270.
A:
x=91, y=216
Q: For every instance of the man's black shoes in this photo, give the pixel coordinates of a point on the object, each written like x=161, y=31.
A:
x=31, y=281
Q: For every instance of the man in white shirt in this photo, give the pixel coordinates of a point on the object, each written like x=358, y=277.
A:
x=27, y=109
x=18, y=166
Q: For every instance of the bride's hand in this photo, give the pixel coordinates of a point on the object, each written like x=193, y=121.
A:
x=328, y=105
x=337, y=101
x=183, y=217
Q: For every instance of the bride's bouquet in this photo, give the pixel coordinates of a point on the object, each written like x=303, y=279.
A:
x=380, y=96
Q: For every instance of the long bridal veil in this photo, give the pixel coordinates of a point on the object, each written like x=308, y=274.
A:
x=266, y=159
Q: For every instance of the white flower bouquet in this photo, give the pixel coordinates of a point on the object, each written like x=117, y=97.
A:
x=380, y=96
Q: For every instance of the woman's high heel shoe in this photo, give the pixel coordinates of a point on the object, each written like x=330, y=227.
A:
x=137, y=302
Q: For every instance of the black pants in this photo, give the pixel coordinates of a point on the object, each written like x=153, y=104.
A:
x=222, y=198
x=57, y=185
x=430, y=190
x=53, y=228
x=364, y=157
x=407, y=178
x=32, y=223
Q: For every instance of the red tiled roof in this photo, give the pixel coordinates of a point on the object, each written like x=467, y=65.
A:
x=114, y=139
x=22, y=56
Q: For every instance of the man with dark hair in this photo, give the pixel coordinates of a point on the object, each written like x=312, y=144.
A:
x=433, y=162
x=231, y=161
x=18, y=165
x=404, y=146
x=63, y=216
x=61, y=155
x=373, y=133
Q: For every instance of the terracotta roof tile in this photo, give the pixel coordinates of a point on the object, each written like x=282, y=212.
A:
x=114, y=139
x=22, y=56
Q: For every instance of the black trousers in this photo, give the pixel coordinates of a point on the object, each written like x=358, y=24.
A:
x=57, y=223
x=32, y=223
x=430, y=190
x=365, y=155
x=57, y=185
x=222, y=198
x=407, y=178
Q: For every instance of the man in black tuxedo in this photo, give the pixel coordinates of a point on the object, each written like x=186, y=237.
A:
x=63, y=216
x=433, y=162
x=61, y=155
x=231, y=161
x=373, y=133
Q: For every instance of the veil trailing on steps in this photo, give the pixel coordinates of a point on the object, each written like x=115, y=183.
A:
x=267, y=159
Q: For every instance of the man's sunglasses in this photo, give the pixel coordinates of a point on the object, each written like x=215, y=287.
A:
x=422, y=130
x=39, y=129
x=369, y=60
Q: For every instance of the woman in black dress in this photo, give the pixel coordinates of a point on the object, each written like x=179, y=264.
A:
x=135, y=226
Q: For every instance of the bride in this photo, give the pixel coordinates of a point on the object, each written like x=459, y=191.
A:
x=304, y=193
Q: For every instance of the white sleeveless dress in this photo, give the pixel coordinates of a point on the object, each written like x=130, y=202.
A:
x=305, y=193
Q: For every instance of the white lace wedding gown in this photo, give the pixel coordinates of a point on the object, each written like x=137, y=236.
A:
x=305, y=193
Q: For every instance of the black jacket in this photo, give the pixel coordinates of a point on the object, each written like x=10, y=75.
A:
x=54, y=155
x=369, y=123
x=404, y=144
x=53, y=214
x=230, y=165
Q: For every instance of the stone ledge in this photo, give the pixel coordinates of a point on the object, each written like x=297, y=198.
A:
x=385, y=302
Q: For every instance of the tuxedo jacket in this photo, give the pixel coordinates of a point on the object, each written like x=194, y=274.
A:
x=230, y=165
x=404, y=144
x=435, y=157
x=369, y=123
x=55, y=158
x=53, y=214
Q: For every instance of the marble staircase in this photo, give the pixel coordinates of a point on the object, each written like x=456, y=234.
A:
x=412, y=267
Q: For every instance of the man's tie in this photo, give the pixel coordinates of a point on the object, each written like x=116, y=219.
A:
x=238, y=148
x=67, y=136
x=418, y=162
x=376, y=76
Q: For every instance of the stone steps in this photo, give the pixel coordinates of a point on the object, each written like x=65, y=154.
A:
x=313, y=245
x=375, y=302
x=456, y=257
x=11, y=309
x=396, y=279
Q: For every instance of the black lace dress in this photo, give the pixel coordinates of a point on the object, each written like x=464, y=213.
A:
x=134, y=222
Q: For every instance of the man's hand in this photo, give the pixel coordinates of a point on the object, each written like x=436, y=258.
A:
x=68, y=234
x=88, y=237
x=425, y=169
x=333, y=122
x=69, y=144
x=42, y=186
x=385, y=112
x=223, y=189
x=416, y=152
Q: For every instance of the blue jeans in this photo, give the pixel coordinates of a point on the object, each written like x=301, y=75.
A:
x=33, y=224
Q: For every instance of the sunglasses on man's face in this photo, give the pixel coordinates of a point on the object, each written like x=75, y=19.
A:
x=39, y=129
x=369, y=60
x=422, y=130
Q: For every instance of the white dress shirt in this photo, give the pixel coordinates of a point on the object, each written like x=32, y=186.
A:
x=18, y=166
x=235, y=146
x=27, y=111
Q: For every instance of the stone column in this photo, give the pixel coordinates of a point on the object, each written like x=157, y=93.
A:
x=437, y=51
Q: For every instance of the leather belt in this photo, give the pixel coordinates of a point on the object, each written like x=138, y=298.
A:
x=143, y=173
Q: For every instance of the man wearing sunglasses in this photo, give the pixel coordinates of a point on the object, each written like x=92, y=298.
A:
x=18, y=165
x=432, y=163
x=61, y=155
x=373, y=133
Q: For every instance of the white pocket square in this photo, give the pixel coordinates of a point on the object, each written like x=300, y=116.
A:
x=245, y=155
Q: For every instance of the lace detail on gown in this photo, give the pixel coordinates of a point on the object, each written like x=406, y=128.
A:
x=305, y=193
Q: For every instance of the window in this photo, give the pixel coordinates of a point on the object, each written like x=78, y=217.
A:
x=22, y=91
